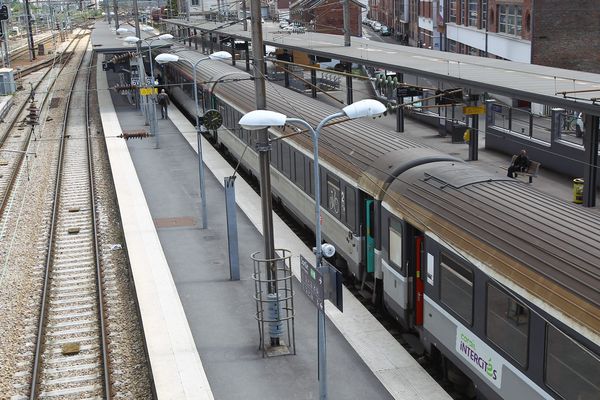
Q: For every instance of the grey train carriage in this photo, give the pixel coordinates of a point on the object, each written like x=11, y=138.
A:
x=500, y=281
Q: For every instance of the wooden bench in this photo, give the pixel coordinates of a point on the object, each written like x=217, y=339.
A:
x=532, y=170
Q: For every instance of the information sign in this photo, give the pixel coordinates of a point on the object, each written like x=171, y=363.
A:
x=148, y=91
x=3, y=13
x=473, y=110
x=312, y=283
x=409, y=91
x=333, y=284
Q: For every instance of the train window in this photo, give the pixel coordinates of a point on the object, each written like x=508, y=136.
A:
x=274, y=151
x=456, y=284
x=309, y=179
x=507, y=324
x=350, y=202
x=571, y=369
x=396, y=246
x=333, y=196
x=299, y=169
x=286, y=161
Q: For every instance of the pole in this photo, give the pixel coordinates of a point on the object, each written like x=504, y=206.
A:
x=200, y=158
x=474, y=138
x=245, y=23
x=116, y=7
x=29, y=32
x=152, y=98
x=232, y=237
x=322, y=343
x=263, y=148
x=346, y=10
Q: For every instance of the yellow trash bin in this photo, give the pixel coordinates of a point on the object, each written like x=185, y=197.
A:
x=578, y=190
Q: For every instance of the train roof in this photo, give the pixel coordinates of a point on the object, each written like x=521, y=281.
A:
x=351, y=147
x=544, y=245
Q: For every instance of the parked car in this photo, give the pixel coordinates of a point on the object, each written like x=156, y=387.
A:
x=385, y=31
x=283, y=24
x=376, y=26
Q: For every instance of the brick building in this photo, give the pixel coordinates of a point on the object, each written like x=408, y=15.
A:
x=556, y=33
x=326, y=16
x=566, y=34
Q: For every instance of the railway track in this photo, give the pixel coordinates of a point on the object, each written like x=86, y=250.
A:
x=70, y=355
x=13, y=152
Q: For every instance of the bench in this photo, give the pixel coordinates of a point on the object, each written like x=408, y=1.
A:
x=532, y=170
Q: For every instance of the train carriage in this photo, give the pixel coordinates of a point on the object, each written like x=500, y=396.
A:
x=499, y=280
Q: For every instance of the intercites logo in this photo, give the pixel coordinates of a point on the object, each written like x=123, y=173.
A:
x=480, y=356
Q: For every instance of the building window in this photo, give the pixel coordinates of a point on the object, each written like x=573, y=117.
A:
x=571, y=369
x=451, y=46
x=195, y=2
x=507, y=324
x=484, y=8
x=510, y=19
x=452, y=11
x=473, y=15
x=457, y=288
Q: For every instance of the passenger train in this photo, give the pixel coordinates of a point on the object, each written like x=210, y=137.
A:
x=500, y=281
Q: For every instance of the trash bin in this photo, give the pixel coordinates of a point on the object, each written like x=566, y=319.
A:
x=40, y=49
x=458, y=133
x=578, y=190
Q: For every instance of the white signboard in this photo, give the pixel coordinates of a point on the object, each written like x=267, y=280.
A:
x=430, y=267
x=479, y=356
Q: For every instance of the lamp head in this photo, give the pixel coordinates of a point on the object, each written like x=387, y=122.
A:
x=220, y=55
x=364, y=108
x=261, y=119
x=166, y=58
x=131, y=39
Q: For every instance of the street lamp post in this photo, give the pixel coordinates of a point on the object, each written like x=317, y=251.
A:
x=150, y=108
x=167, y=58
x=261, y=119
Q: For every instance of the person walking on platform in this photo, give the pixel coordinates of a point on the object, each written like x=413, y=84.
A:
x=164, y=102
x=520, y=164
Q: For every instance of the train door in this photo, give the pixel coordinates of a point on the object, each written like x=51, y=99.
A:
x=370, y=235
x=415, y=245
x=419, y=285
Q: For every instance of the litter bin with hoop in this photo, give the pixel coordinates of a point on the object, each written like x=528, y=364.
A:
x=578, y=190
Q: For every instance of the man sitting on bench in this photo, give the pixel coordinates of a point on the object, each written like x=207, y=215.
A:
x=520, y=164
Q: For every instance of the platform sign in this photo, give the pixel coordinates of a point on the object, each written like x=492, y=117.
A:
x=3, y=13
x=333, y=284
x=409, y=91
x=473, y=110
x=312, y=283
x=148, y=91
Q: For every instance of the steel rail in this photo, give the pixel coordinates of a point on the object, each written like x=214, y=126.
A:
x=17, y=166
x=101, y=315
x=51, y=247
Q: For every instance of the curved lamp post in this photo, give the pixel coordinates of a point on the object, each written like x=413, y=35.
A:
x=261, y=119
x=165, y=58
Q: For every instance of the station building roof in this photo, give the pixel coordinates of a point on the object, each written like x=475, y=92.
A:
x=523, y=81
x=106, y=40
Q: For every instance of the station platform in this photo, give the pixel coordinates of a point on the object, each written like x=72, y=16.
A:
x=202, y=338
